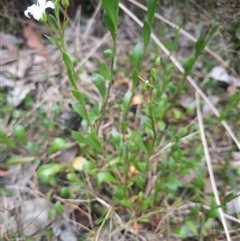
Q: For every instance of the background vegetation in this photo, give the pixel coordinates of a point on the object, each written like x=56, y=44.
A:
x=131, y=121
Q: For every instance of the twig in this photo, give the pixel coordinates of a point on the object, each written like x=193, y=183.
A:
x=102, y=224
x=91, y=22
x=209, y=165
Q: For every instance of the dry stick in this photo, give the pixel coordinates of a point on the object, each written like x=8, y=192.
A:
x=182, y=31
x=209, y=165
x=181, y=69
x=102, y=224
x=91, y=22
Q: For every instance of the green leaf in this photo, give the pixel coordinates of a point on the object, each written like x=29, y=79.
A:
x=109, y=24
x=52, y=40
x=127, y=203
x=153, y=73
x=157, y=62
x=20, y=134
x=146, y=33
x=96, y=109
x=94, y=141
x=126, y=102
x=73, y=177
x=53, y=18
x=58, y=144
x=58, y=207
x=192, y=227
x=70, y=68
x=80, y=110
x=51, y=213
x=213, y=213
x=206, y=227
x=230, y=196
x=181, y=231
x=142, y=166
x=161, y=125
x=188, y=65
x=99, y=83
x=108, y=52
x=172, y=184
x=19, y=160
x=135, y=78
x=48, y=170
x=137, y=55
x=140, y=181
x=79, y=96
x=4, y=192
x=6, y=141
x=141, y=145
x=111, y=8
x=106, y=177
x=64, y=193
x=80, y=138
x=116, y=138
x=92, y=116
x=152, y=4
x=119, y=194
x=143, y=219
x=89, y=166
x=104, y=71
x=56, y=8
x=66, y=24
x=200, y=45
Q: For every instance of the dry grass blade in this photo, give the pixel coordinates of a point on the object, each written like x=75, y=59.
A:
x=189, y=78
x=209, y=165
x=91, y=22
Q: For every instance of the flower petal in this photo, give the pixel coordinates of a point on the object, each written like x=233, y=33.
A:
x=26, y=12
x=42, y=3
x=49, y=4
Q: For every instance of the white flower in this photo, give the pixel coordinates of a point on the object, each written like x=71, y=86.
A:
x=37, y=10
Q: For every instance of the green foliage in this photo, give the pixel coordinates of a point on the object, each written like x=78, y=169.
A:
x=111, y=9
x=20, y=134
x=19, y=160
x=70, y=69
x=99, y=82
x=141, y=168
x=58, y=144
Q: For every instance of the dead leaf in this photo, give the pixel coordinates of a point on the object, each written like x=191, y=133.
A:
x=34, y=215
x=5, y=82
x=71, y=119
x=188, y=101
x=236, y=156
x=5, y=173
x=220, y=74
x=33, y=39
x=18, y=68
x=18, y=94
x=9, y=41
x=68, y=155
x=121, y=86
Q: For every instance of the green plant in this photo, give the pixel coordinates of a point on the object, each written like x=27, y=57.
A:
x=144, y=174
